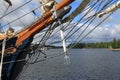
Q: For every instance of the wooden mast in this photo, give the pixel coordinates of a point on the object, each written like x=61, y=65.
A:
x=40, y=24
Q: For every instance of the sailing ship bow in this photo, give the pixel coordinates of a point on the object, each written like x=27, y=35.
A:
x=41, y=23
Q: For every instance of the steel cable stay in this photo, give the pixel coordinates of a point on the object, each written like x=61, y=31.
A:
x=83, y=17
x=88, y=24
x=23, y=23
x=8, y=23
x=83, y=25
x=40, y=34
x=90, y=21
x=79, y=13
x=46, y=34
x=67, y=36
x=41, y=61
x=83, y=31
x=32, y=56
x=92, y=3
x=20, y=20
x=30, y=63
x=2, y=56
x=77, y=38
x=78, y=28
x=85, y=28
x=52, y=27
x=74, y=45
x=51, y=34
x=56, y=37
x=3, y=52
x=16, y=9
x=3, y=49
x=75, y=31
x=20, y=17
x=74, y=17
x=90, y=31
x=43, y=40
x=3, y=18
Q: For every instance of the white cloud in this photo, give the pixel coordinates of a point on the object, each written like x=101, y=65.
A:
x=24, y=21
x=109, y=29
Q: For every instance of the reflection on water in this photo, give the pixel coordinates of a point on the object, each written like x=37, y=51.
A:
x=86, y=64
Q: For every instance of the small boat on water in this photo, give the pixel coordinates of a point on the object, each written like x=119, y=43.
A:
x=114, y=49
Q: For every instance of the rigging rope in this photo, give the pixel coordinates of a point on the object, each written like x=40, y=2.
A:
x=78, y=35
x=15, y=9
x=90, y=20
x=90, y=31
x=3, y=50
x=21, y=16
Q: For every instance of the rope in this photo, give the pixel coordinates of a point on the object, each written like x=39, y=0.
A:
x=15, y=9
x=46, y=34
x=3, y=50
x=83, y=37
x=20, y=17
x=90, y=31
x=91, y=19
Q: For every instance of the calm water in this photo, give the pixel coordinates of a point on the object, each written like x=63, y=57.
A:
x=86, y=64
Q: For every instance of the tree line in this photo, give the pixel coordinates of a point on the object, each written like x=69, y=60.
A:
x=115, y=43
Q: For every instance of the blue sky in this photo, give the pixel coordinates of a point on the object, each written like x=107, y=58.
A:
x=107, y=31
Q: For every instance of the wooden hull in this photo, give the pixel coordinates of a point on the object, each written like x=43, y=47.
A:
x=12, y=69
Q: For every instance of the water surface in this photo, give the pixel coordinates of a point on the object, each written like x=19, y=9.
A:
x=86, y=64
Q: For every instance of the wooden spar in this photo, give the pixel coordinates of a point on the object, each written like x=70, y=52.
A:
x=78, y=10
x=40, y=24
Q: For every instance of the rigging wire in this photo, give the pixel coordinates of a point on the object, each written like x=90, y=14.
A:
x=21, y=16
x=90, y=20
x=91, y=16
x=91, y=30
x=16, y=20
x=15, y=9
x=2, y=57
x=68, y=36
x=80, y=27
x=19, y=19
x=50, y=31
x=5, y=13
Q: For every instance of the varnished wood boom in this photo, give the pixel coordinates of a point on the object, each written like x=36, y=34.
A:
x=40, y=24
